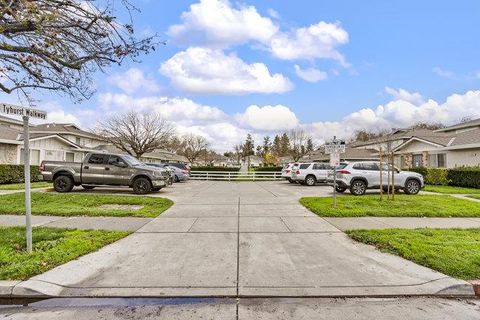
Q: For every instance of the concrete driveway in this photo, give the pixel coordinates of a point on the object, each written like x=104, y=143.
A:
x=245, y=239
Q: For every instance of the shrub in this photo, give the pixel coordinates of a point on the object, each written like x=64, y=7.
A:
x=271, y=169
x=12, y=173
x=421, y=170
x=210, y=168
x=464, y=177
x=437, y=176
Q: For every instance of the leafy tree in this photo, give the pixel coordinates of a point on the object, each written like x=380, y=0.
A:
x=284, y=144
x=276, y=146
x=310, y=146
x=58, y=44
x=248, y=148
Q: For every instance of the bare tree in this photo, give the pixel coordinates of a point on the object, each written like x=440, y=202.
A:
x=137, y=133
x=58, y=44
x=192, y=146
x=299, y=143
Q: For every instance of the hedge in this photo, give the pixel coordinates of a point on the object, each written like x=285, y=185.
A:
x=464, y=177
x=271, y=169
x=210, y=168
x=11, y=173
x=468, y=177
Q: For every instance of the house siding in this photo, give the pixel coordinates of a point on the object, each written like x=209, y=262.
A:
x=460, y=158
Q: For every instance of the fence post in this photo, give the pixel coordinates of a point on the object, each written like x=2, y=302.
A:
x=207, y=176
x=229, y=176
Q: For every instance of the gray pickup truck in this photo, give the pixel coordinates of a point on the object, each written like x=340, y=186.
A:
x=104, y=169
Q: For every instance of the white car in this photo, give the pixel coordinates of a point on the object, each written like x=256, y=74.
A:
x=311, y=173
x=288, y=170
x=363, y=175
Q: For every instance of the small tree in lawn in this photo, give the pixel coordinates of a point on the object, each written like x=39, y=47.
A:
x=137, y=133
x=58, y=44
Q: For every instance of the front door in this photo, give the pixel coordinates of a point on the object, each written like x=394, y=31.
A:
x=93, y=171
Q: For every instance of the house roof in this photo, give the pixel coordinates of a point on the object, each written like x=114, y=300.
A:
x=157, y=154
x=350, y=154
x=447, y=140
x=63, y=128
x=10, y=120
x=399, y=134
x=468, y=124
x=8, y=133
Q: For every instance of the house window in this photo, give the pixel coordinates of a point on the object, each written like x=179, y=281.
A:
x=34, y=157
x=69, y=156
x=77, y=140
x=437, y=160
x=442, y=160
x=417, y=160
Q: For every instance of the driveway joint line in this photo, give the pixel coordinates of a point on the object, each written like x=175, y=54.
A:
x=289, y=230
x=193, y=224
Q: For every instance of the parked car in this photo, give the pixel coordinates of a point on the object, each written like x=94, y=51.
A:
x=311, y=173
x=179, y=165
x=288, y=170
x=363, y=175
x=100, y=169
x=167, y=168
x=176, y=173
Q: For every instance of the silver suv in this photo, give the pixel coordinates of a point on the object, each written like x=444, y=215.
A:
x=287, y=171
x=311, y=173
x=360, y=176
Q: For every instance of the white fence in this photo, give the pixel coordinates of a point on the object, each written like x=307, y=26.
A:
x=236, y=176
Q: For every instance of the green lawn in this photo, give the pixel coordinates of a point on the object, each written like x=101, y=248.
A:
x=67, y=204
x=451, y=190
x=21, y=186
x=403, y=206
x=454, y=252
x=51, y=247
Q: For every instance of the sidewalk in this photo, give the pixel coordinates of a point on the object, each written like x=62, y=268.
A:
x=283, y=225
x=96, y=223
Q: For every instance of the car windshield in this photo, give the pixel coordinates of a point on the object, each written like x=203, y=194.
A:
x=133, y=161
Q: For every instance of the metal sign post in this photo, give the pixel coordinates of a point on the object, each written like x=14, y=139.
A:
x=334, y=149
x=26, y=113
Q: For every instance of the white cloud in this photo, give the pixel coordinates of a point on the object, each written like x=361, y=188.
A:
x=273, y=13
x=217, y=24
x=202, y=70
x=444, y=73
x=133, y=80
x=401, y=114
x=316, y=41
x=311, y=74
x=402, y=94
x=268, y=118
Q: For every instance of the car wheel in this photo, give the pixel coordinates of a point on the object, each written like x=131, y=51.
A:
x=142, y=186
x=63, y=184
x=310, y=181
x=176, y=179
x=412, y=186
x=88, y=187
x=358, y=188
x=340, y=190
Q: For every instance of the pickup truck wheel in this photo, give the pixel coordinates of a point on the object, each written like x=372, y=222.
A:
x=142, y=186
x=310, y=181
x=177, y=179
x=63, y=183
x=412, y=186
x=358, y=188
x=88, y=187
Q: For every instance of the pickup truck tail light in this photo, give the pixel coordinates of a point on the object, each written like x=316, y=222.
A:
x=42, y=167
x=343, y=172
x=297, y=172
x=287, y=171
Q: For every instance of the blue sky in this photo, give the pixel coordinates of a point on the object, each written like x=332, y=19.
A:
x=366, y=53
